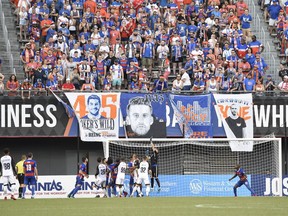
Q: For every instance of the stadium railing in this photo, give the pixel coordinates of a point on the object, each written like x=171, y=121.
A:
x=8, y=45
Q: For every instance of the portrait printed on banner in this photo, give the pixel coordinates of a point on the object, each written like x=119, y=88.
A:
x=141, y=119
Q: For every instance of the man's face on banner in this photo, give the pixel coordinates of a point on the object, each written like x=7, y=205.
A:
x=94, y=106
x=140, y=119
x=234, y=109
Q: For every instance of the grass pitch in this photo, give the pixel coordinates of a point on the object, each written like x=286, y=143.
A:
x=200, y=206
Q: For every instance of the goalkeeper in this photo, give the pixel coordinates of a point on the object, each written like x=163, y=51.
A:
x=243, y=180
x=154, y=165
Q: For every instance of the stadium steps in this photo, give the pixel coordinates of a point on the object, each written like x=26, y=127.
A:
x=12, y=35
x=273, y=68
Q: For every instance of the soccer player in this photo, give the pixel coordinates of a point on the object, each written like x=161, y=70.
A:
x=143, y=172
x=111, y=176
x=20, y=174
x=131, y=170
x=135, y=173
x=154, y=166
x=8, y=173
x=120, y=177
x=100, y=176
x=243, y=180
x=80, y=177
x=30, y=174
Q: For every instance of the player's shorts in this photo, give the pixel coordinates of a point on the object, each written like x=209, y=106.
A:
x=144, y=179
x=20, y=178
x=120, y=181
x=111, y=182
x=240, y=183
x=8, y=180
x=116, y=82
x=154, y=170
x=29, y=180
x=100, y=182
x=79, y=180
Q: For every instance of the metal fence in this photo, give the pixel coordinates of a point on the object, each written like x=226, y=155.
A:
x=7, y=41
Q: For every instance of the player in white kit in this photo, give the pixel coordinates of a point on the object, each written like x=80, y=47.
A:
x=144, y=171
x=100, y=175
x=8, y=173
x=120, y=177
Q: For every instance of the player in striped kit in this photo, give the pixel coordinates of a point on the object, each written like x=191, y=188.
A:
x=100, y=175
x=120, y=177
x=80, y=177
x=31, y=174
x=8, y=173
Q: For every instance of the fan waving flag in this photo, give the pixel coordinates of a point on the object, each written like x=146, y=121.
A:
x=69, y=110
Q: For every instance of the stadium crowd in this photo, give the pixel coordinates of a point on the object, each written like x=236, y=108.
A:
x=147, y=45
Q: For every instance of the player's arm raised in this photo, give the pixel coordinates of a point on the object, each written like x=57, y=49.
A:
x=233, y=177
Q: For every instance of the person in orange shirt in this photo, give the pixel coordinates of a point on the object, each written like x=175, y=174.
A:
x=114, y=34
x=241, y=6
x=91, y=4
x=45, y=25
x=103, y=12
x=245, y=66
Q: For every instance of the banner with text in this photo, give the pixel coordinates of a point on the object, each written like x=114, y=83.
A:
x=236, y=114
x=194, y=113
x=97, y=114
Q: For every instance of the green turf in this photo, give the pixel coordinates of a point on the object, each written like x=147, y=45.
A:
x=216, y=206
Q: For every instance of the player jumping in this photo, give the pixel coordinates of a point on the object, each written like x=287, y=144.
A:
x=154, y=166
x=80, y=177
x=243, y=180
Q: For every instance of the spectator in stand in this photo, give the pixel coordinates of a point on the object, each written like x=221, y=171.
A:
x=270, y=84
x=12, y=85
x=249, y=83
x=87, y=86
x=68, y=86
x=273, y=13
x=26, y=89
x=198, y=85
x=259, y=87
x=160, y=84
x=237, y=84
x=212, y=84
x=283, y=85
x=177, y=84
x=255, y=45
x=2, y=85
x=23, y=17
x=283, y=71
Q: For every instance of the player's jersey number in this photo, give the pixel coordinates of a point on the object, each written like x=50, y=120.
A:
x=6, y=166
x=143, y=169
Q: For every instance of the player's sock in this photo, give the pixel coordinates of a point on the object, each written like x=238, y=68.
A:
x=131, y=189
x=117, y=190
x=250, y=189
x=108, y=192
x=235, y=191
x=158, y=182
x=20, y=191
x=33, y=190
x=13, y=189
x=5, y=188
x=147, y=190
x=152, y=182
x=23, y=192
x=76, y=189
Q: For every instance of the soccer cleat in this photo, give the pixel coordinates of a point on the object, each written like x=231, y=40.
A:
x=125, y=193
x=32, y=197
x=5, y=198
x=159, y=189
x=97, y=196
x=13, y=198
x=152, y=189
x=23, y=197
x=68, y=196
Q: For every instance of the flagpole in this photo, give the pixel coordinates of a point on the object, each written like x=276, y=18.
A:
x=78, y=146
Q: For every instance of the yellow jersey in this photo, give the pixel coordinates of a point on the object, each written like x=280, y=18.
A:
x=19, y=166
